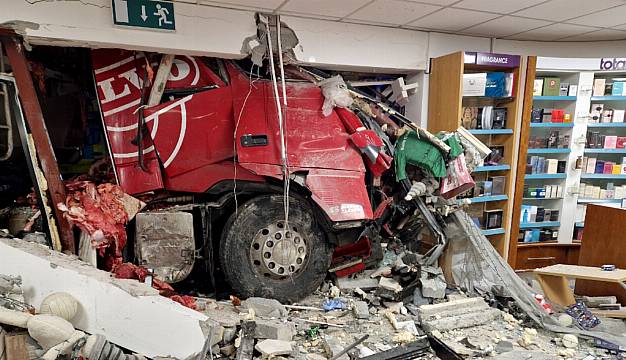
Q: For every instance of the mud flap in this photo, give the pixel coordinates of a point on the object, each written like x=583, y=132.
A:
x=165, y=243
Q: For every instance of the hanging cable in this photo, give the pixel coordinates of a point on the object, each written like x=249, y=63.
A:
x=243, y=106
x=279, y=111
x=286, y=181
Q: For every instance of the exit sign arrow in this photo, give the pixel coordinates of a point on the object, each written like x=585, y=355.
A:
x=143, y=13
x=151, y=14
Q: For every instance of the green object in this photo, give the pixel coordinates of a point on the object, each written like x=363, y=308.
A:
x=313, y=332
x=551, y=86
x=415, y=151
x=455, y=147
x=151, y=14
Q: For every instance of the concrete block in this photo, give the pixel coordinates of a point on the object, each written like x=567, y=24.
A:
x=271, y=329
x=363, y=283
x=461, y=321
x=361, y=310
x=230, y=333
x=265, y=307
x=434, y=309
x=271, y=348
x=390, y=284
x=152, y=325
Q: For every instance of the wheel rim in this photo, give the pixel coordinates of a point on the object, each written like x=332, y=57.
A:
x=277, y=252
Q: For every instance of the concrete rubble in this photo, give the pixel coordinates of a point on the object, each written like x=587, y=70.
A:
x=367, y=321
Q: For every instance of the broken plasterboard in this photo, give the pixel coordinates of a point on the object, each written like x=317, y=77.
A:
x=128, y=313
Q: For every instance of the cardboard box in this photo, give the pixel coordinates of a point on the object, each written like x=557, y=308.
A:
x=596, y=112
x=618, y=115
x=538, y=87
x=591, y=165
x=616, y=169
x=559, y=191
x=563, y=89
x=498, y=185
x=496, y=84
x=607, y=116
x=621, y=142
x=492, y=219
x=598, y=87
x=551, y=86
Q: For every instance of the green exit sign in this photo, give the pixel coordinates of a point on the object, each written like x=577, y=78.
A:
x=150, y=14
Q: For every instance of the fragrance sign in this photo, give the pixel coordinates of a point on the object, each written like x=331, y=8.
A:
x=491, y=59
x=613, y=64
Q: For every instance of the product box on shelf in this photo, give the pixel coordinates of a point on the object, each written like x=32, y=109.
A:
x=536, y=116
x=498, y=184
x=551, y=86
x=596, y=112
x=474, y=84
x=564, y=89
x=607, y=116
x=538, y=87
x=618, y=115
x=573, y=90
x=492, y=219
x=618, y=88
x=599, y=87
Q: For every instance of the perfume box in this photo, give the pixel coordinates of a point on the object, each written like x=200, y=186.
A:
x=618, y=88
x=563, y=89
x=598, y=87
x=492, y=219
x=560, y=167
x=552, y=166
x=474, y=84
x=551, y=86
x=621, y=142
x=538, y=87
x=607, y=116
x=536, y=116
x=498, y=184
x=618, y=115
x=610, y=142
x=596, y=112
x=591, y=165
x=573, y=90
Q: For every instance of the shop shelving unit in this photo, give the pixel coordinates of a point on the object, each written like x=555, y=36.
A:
x=445, y=105
x=530, y=255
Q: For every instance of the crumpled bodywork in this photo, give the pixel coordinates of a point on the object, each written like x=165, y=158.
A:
x=190, y=142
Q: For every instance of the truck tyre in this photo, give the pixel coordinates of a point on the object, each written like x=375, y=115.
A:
x=260, y=256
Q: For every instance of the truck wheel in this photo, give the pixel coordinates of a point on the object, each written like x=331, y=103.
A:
x=260, y=256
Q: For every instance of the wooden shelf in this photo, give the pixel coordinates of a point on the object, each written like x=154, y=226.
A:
x=445, y=110
x=547, y=243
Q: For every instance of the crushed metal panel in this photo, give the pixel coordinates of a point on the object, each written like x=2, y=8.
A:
x=165, y=243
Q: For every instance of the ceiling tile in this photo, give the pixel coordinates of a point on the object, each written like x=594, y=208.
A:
x=392, y=12
x=452, y=19
x=559, y=10
x=332, y=8
x=604, y=34
x=505, y=26
x=435, y=2
x=256, y=4
x=498, y=6
x=605, y=18
x=553, y=32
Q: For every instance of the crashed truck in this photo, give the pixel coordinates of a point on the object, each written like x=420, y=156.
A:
x=269, y=186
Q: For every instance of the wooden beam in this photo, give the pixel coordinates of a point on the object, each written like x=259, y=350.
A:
x=34, y=118
x=163, y=73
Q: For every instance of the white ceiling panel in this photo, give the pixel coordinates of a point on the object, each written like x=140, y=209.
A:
x=505, y=26
x=554, y=32
x=393, y=12
x=436, y=2
x=256, y=4
x=332, y=8
x=497, y=6
x=604, y=34
x=559, y=10
x=605, y=18
x=450, y=19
